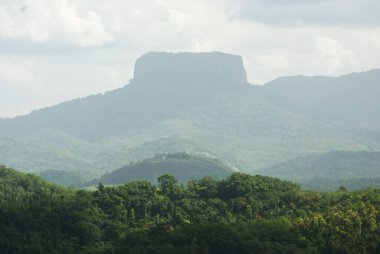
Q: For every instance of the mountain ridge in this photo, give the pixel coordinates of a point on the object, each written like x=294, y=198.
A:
x=348, y=98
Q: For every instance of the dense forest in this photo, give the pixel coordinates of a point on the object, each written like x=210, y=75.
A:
x=240, y=214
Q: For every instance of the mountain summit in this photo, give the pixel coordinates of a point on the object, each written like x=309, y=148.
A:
x=162, y=66
x=163, y=84
x=179, y=79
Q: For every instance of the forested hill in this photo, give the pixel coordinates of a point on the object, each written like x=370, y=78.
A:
x=240, y=214
x=183, y=166
x=328, y=171
x=16, y=186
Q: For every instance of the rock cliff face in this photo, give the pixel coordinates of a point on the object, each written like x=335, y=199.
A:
x=181, y=68
x=166, y=83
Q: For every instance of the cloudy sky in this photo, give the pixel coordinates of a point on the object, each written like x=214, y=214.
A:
x=56, y=50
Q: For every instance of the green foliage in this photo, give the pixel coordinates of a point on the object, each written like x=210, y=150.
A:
x=240, y=214
x=253, y=237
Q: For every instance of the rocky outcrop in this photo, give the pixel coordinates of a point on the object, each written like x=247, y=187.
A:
x=179, y=67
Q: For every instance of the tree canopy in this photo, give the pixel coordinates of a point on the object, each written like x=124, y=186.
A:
x=240, y=214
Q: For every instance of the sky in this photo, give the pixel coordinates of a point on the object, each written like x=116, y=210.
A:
x=56, y=50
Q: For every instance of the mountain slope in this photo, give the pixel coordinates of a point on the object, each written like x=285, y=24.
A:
x=350, y=98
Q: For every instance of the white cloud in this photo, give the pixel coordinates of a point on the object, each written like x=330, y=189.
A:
x=274, y=62
x=18, y=72
x=51, y=20
x=55, y=50
x=28, y=83
x=334, y=54
x=309, y=12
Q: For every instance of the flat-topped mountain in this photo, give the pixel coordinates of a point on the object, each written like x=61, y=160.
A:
x=197, y=103
x=183, y=67
x=163, y=84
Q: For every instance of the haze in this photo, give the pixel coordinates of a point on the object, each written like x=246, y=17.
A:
x=53, y=51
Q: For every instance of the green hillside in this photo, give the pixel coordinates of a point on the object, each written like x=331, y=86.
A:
x=18, y=186
x=183, y=166
x=354, y=170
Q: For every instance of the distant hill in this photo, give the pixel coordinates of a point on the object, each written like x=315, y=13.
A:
x=199, y=103
x=183, y=166
x=350, y=98
x=64, y=178
x=328, y=171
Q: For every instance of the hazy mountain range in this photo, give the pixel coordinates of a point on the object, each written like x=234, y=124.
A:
x=199, y=103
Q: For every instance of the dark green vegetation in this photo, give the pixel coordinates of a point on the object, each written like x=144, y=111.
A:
x=183, y=166
x=328, y=171
x=241, y=214
x=198, y=103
